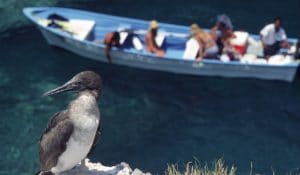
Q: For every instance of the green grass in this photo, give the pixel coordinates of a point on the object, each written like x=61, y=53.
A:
x=194, y=168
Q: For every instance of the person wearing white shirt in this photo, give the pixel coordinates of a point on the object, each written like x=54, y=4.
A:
x=273, y=38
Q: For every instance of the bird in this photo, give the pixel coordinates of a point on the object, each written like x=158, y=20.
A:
x=71, y=134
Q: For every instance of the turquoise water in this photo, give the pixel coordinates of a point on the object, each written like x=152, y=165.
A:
x=151, y=118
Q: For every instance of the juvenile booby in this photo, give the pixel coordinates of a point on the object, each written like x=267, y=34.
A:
x=72, y=133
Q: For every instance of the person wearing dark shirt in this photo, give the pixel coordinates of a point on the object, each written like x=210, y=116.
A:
x=111, y=39
x=222, y=32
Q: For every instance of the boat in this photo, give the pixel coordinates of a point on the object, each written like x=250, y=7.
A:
x=83, y=32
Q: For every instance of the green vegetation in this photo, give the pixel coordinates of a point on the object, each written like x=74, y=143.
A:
x=217, y=168
x=194, y=168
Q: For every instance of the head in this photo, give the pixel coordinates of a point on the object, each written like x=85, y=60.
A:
x=115, y=38
x=222, y=26
x=82, y=81
x=277, y=23
x=194, y=28
x=153, y=25
x=224, y=22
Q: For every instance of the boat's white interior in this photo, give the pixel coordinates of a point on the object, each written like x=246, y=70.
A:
x=191, y=49
x=172, y=38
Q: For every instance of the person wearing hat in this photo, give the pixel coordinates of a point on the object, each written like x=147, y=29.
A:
x=150, y=39
x=207, y=45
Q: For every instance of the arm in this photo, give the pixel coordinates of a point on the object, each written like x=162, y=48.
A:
x=284, y=43
x=107, y=49
x=263, y=34
x=213, y=32
x=200, y=52
x=262, y=41
x=108, y=44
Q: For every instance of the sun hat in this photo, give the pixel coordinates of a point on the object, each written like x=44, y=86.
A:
x=153, y=24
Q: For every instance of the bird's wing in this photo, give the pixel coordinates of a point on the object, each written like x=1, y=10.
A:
x=57, y=117
x=53, y=141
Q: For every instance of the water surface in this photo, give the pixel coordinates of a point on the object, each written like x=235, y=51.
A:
x=151, y=118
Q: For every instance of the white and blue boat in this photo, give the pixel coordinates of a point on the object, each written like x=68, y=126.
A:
x=83, y=32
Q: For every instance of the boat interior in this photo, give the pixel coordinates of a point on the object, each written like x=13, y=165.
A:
x=92, y=27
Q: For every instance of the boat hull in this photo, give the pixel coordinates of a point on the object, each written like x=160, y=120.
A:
x=119, y=57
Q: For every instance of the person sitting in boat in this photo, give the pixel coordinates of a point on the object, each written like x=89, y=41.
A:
x=207, y=45
x=273, y=38
x=222, y=32
x=150, y=39
x=111, y=39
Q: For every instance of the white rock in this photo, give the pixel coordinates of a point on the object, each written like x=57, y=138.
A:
x=99, y=169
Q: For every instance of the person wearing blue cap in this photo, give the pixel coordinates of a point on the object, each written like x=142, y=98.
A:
x=222, y=32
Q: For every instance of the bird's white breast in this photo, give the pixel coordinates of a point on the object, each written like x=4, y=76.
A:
x=74, y=153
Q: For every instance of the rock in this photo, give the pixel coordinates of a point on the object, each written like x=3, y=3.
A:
x=139, y=172
x=98, y=169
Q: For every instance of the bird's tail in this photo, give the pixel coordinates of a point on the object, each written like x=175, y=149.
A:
x=44, y=173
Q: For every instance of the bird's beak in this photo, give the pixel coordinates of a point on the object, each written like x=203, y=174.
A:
x=66, y=87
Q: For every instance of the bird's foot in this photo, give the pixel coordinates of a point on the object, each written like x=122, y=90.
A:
x=82, y=163
x=83, y=168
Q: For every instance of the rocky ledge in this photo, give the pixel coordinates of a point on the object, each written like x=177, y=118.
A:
x=98, y=169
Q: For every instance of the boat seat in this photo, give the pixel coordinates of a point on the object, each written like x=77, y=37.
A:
x=240, y=42
x=79, y=29
x=255, y=47
x=123, y=30
x=191, y=49
x=132, y=41
x=159, y=39
x=137, y=44
x=253, y=59
x=127, y=33
x=123, y=36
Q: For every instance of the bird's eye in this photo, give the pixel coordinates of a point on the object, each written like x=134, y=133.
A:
x=77, y=83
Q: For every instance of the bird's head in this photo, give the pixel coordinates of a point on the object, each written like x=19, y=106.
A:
x=87, y=80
